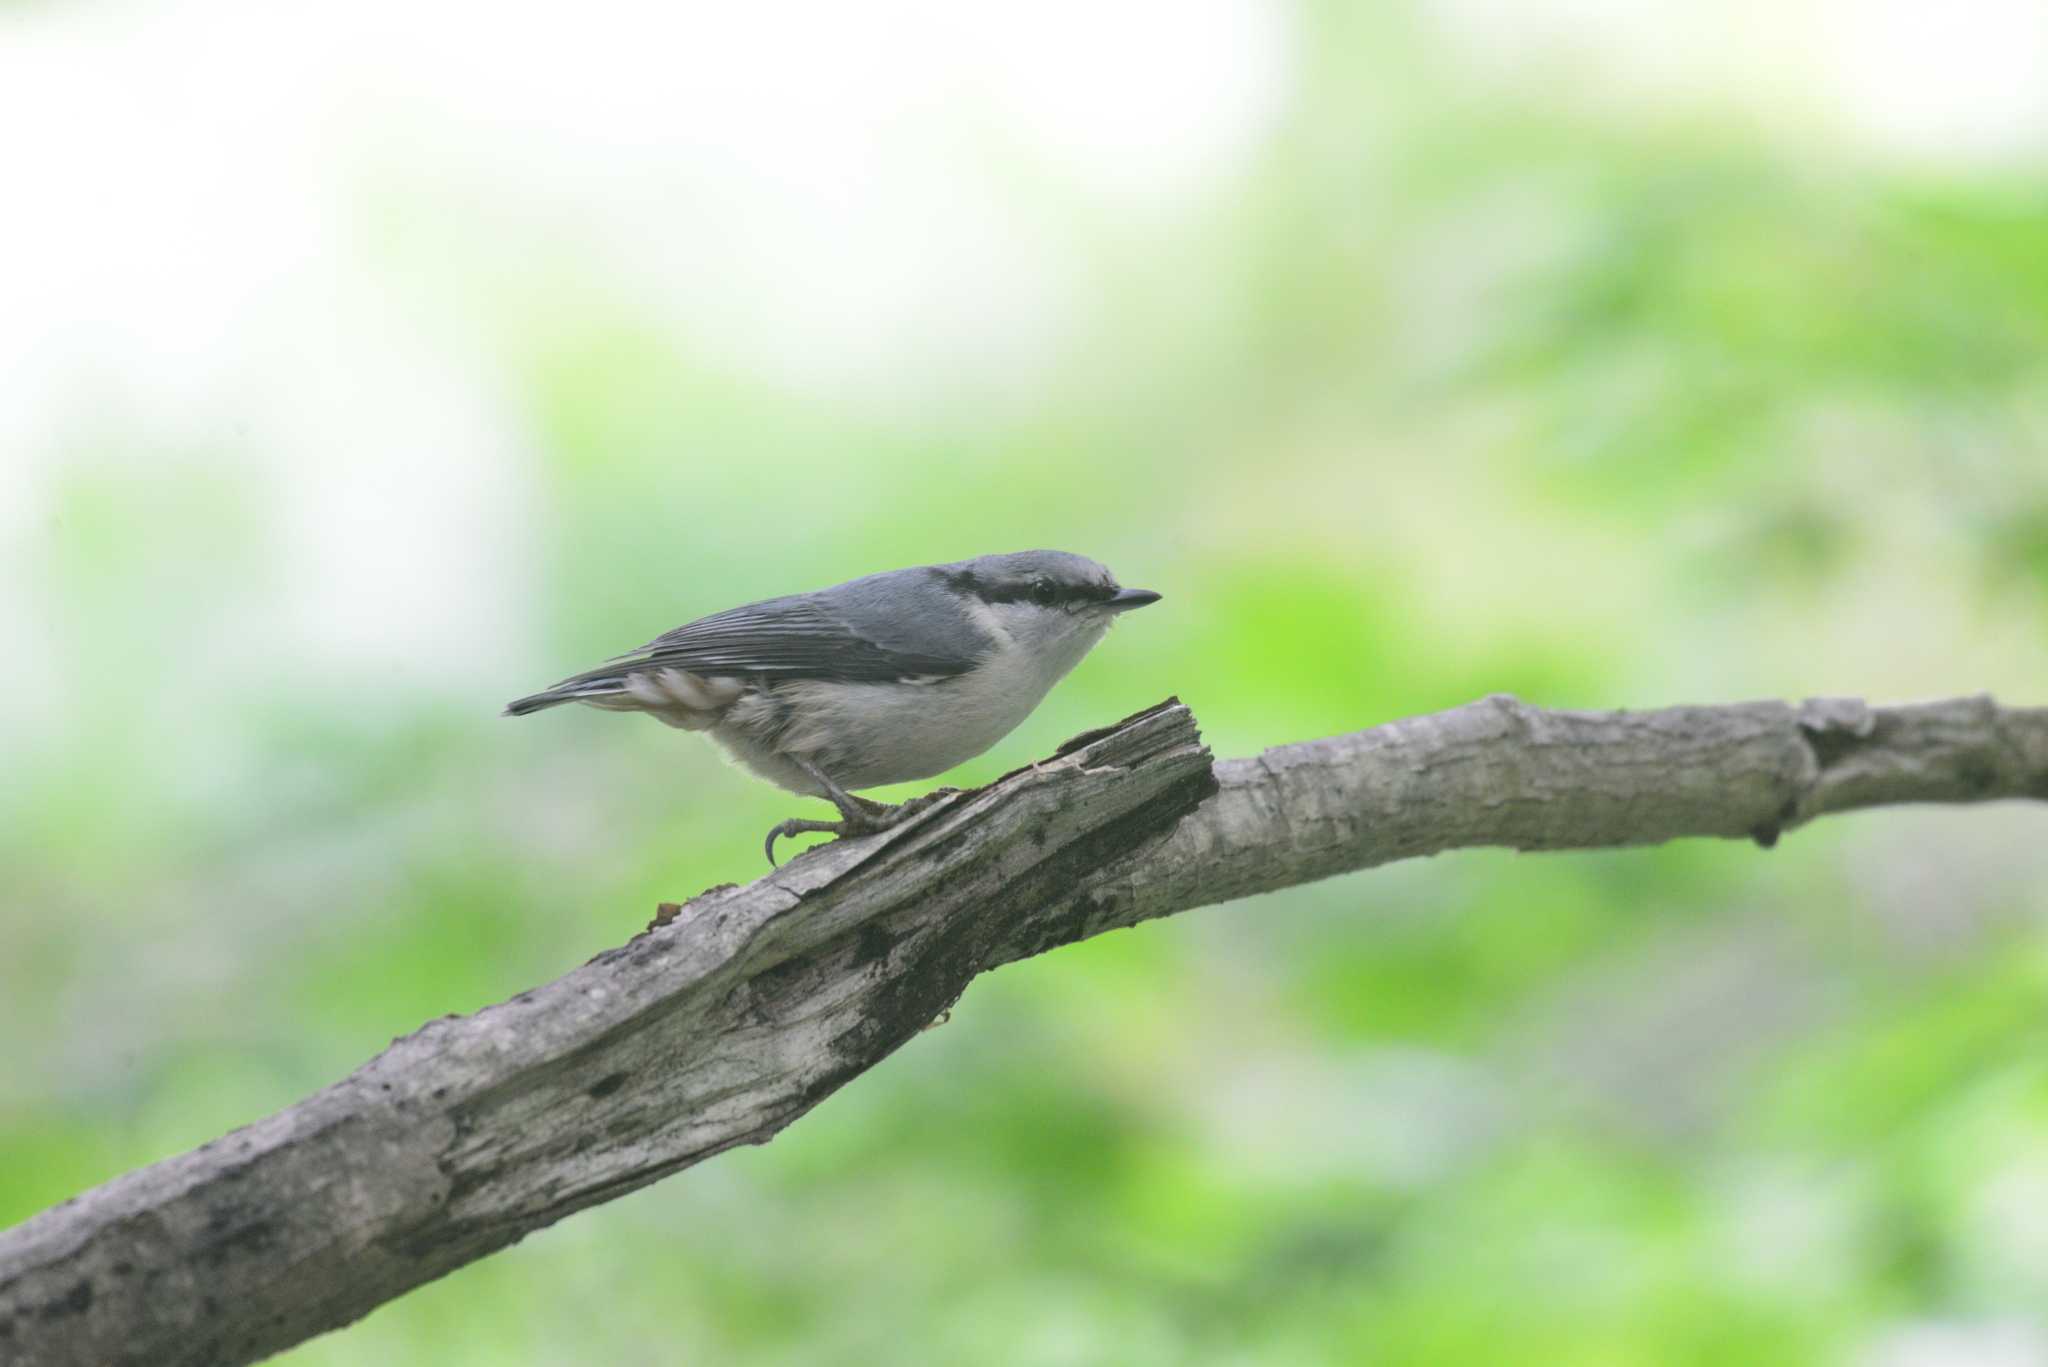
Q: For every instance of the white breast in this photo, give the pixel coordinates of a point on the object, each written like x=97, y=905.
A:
x=866, y=735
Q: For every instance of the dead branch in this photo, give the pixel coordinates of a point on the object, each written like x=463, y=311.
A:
x=738, y=1011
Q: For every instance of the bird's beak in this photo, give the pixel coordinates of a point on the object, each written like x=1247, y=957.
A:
x=1126, y=599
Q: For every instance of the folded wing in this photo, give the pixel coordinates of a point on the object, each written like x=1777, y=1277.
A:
x=780, y=639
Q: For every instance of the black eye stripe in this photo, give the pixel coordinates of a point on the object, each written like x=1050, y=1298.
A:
x=1026, y=590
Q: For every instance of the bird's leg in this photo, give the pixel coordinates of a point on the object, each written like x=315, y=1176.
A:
x=857, y=815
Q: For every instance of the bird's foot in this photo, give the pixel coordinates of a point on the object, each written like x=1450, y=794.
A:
x=857, y=816
x=796, y=825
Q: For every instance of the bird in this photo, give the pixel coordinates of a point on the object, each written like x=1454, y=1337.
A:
x=888, y=678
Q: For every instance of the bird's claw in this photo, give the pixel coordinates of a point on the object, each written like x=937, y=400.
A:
x=797, y=825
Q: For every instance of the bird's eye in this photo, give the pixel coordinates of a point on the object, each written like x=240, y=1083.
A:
x=1043, y=593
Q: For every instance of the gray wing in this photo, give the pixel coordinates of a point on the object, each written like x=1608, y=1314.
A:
x=899, y=625
x=801, y=637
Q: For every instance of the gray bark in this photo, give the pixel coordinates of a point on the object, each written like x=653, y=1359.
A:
x=737, y=1012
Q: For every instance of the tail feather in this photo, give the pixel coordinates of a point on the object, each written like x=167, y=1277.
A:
x=569, y=690
x=676, y=696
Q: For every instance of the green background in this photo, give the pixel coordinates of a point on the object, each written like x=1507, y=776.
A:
x=1456, y=388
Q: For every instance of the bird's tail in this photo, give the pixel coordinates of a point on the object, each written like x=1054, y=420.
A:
x=596, y=683
x=534, y=702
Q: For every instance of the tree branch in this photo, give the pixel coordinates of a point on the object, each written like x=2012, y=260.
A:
x=733, y=1015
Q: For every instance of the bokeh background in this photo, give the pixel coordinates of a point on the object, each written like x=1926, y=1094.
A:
x=367, y=365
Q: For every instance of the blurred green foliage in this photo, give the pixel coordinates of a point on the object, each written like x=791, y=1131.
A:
x=1451, y=395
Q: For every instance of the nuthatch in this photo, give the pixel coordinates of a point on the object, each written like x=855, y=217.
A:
x=885, y=679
